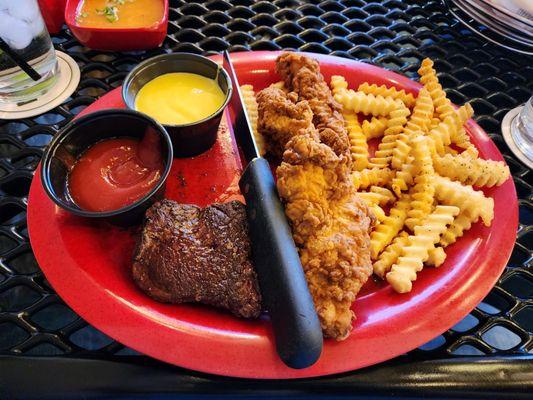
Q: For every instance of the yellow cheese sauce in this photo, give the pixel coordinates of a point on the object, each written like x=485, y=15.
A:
x=180, y=98
x=120, y=13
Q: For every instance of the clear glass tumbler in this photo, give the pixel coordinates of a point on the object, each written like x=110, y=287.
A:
x=22, y=28
x=522, y=129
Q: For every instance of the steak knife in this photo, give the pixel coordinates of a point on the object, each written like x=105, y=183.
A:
x=284, y=289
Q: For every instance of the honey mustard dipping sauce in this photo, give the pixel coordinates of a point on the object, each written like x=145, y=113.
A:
x=180, y=98
x=120, y=13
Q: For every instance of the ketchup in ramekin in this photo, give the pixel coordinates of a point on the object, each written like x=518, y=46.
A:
x=115, y=173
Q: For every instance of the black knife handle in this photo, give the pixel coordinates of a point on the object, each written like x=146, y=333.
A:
x=283, y=286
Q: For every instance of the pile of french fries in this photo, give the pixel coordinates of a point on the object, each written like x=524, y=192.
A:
x=424, y=171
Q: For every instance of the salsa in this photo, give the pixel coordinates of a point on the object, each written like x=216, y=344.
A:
x=115, y=173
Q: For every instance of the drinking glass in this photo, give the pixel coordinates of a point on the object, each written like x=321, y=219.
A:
x=25, y=37
x=522, y=129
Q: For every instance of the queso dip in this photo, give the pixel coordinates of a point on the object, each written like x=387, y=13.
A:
x=180, y=98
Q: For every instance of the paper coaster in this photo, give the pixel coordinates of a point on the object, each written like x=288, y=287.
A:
x=508, y=137
x=67, y=82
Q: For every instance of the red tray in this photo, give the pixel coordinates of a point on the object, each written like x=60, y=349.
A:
x=89, y=265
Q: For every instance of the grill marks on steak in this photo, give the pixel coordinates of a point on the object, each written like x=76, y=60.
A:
x=192, y=254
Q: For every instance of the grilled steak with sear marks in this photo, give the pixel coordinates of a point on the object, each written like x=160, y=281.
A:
x=192, y=254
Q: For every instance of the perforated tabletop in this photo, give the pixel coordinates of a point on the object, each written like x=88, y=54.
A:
x=393, y=34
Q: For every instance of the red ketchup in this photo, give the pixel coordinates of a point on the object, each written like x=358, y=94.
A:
x=115, y=173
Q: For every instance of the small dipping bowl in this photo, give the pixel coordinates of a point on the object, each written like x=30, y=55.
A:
x=187, y=139
x=84, y=132
x=112, y=38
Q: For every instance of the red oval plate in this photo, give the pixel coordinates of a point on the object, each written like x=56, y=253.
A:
x=89, y=266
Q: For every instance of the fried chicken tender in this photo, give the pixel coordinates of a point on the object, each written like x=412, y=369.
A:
x=302, y=75
x=331, y=227
x=330, y=223
x=280, y=118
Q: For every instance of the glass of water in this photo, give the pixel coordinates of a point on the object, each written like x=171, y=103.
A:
x=522, y=129
x=23, y=31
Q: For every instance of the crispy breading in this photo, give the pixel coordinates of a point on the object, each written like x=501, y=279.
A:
x=280, y=118
x=331, y=227
x=330, y=223
x=302, y=75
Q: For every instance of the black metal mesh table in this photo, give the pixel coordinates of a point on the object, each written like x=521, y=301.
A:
x=394, y=34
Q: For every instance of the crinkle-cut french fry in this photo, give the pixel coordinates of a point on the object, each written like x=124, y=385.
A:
x=383, y=234
x=397, y=120
x=472, y=203
x=441, y=136
x=379, y=213
x=250, y=105
x=375, y=128
x=404, y=178
x=436, y=257
x=374, y=176
x=359, y=102
x=386, y=195
x=378, y=195
x=383, y=154
x=370, y=197
x=461, y=138
x=358, y=145
x=420, y=119
x=338, y=84
x=422, y=193
x=413, y=256
x=391, y=139
x=389, y=256
x=372, y=200
x=470, y=153
x=434, y=122
x=428, y=77
x=443, y=106
x=401, y=151
x=461, y=223
x=407, y=98
x=395, y=126
x=464, y=113
x=475, y=172
x=417, y=124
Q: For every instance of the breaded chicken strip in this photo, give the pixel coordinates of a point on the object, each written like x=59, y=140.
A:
x=330, y=224
x=302, y=75
x=331, y=227
x=280, y=118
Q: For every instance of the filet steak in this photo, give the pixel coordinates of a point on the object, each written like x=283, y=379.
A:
x=191, y=254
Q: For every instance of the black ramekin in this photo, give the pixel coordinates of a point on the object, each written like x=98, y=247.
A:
x=188, y=139
x=76, y=137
